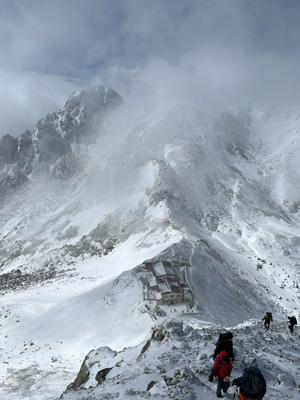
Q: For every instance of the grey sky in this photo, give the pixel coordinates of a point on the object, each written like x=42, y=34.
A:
x=218, y=51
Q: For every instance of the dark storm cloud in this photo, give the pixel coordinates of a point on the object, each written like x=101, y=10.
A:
x=222, y=51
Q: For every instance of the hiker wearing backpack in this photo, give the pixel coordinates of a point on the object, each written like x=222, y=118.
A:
x=268, y=318
x=292, y=321
x=222, y=371
x=224, y=343
x=252, y=384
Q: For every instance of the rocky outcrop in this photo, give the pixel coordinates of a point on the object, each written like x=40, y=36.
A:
x=48, y=147
x=83, y=374
x=16, y=279
x=101, y=375
x=178, y=366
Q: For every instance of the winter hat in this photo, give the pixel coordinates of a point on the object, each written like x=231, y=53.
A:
x=223, y=355
x=228, y=335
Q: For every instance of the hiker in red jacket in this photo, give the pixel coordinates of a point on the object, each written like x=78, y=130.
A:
x=222, y=371
x=224, y=343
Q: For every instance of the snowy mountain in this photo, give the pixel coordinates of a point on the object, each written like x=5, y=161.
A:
x=48, y=147
x=99, y=191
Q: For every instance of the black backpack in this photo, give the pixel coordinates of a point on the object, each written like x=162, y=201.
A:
x=293, y=320
x=254, y=373
x=221, y=338
x=252, y=369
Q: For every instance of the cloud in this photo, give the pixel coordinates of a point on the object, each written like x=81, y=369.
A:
x=214, y=75
x=26, y=97
x=226, y=52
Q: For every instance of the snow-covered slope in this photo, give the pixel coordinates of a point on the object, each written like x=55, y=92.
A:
x=176, y=360
x=105, y=188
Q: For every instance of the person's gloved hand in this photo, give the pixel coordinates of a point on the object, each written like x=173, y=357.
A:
x=234, y=388
x=226, y=379
x=215, y=379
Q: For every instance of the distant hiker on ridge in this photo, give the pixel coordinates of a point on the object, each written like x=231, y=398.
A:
x=292, y=321
x=224, y=343
x=268, y=318
x=252, y=384
x=222, y=371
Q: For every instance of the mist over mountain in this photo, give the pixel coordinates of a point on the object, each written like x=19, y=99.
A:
x=99, y=189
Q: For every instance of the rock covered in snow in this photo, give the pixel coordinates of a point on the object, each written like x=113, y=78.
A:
x=178, y=365
x=47, y=148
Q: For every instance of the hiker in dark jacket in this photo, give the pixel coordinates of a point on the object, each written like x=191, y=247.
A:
x=222, y=371
x=224, y=343
x=252, y=384
x=292, y=321
x=268, y=318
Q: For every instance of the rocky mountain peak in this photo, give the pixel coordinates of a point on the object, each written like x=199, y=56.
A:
x=47, y=148
x=92, y=100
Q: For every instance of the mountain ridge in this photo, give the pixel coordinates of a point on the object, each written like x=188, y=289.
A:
x=203, y=190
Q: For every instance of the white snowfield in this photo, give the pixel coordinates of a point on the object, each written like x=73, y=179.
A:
x=214, y=192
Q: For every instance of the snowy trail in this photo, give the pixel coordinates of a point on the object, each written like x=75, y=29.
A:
x=179, y=365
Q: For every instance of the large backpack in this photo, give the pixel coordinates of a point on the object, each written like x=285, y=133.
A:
x=254, y=372
x=294, y=320
x=222, y=339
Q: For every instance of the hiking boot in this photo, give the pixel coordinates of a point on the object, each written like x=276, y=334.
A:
x=210, y=378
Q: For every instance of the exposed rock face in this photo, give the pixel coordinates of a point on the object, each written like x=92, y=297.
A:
x=91, y=363
x=83, y=375
x=150, y=385
x=101, y=375
x=159, y=334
